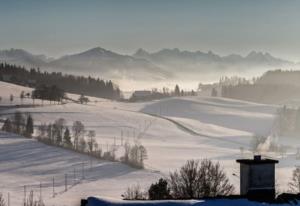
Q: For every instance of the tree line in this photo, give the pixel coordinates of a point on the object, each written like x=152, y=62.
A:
x=194, y=180
x=19, y=124
x=70, y=83
x=288, y=121
x=164, y=93
x=272, y=87
x=75, y=138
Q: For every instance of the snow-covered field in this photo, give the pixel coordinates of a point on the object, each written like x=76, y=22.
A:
x=173, y=130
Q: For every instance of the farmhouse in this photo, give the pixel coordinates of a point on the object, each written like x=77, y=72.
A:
x=141, y=95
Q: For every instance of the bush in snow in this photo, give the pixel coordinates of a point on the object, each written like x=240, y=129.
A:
x=159, y=190
x=134, y=192
x=7, y=126
x=199, y=179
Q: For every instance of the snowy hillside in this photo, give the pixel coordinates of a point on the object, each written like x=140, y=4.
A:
x=172, y=130
x=26, y=162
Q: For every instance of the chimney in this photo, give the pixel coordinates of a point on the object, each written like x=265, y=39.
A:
x=257, y=178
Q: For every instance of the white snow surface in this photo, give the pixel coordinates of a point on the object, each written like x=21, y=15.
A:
x=173, y=130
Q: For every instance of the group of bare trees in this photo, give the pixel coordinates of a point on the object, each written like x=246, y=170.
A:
x=81, y=140
x=135, y=154
x=59, y=134
x=29, y=201
x=195, y=179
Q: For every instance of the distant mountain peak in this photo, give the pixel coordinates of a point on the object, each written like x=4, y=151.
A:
x=141, y=53
x=96, y=51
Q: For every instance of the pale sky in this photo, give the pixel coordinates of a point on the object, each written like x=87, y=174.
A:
x=57, y=27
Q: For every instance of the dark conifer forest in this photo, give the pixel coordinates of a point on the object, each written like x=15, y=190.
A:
x=69, y=83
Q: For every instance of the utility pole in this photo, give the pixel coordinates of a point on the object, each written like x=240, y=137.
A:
x=66, y=182
x=82, y=170
x=74, y=176
x=53, y=192
x=40, y=190
x=121, y=137
x=24, y=194
x=8, y=199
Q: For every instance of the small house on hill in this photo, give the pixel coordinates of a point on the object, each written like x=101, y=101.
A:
x=141, y=95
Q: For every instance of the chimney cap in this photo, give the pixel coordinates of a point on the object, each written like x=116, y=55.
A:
x=257, y=157
x=257, y=160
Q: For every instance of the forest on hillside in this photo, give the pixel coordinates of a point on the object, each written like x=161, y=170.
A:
x=69, y=83
x=276, y=86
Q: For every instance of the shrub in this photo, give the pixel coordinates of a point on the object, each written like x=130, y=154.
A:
x=159, y=190
x=199, y=179
x=134, y=193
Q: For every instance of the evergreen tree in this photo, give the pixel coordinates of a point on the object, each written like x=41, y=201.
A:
x=19, y=123
x=22, y=96
x=11, y=98
x=67, y=138
x=214, y=92
x=49, y=133
x=83, y=100
x=177, y=91
x=182, y=93
x=159, y=190
x=57, y=135
x=29, y=126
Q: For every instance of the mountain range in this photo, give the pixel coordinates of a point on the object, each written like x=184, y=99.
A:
x=165, y=64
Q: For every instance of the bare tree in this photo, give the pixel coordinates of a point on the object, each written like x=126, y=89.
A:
x=134, y=192
x=78, y=131
x=294, y=184
x=82, y=145
x=30, y=201
x=2, y=201
x=42, y=129
x=91, y=140
x=58, y=128
x=199, y=179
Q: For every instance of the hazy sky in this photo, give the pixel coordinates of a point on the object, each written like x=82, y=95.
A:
x=56, y=27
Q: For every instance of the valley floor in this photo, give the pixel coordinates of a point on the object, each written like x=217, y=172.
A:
x=173, y=130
